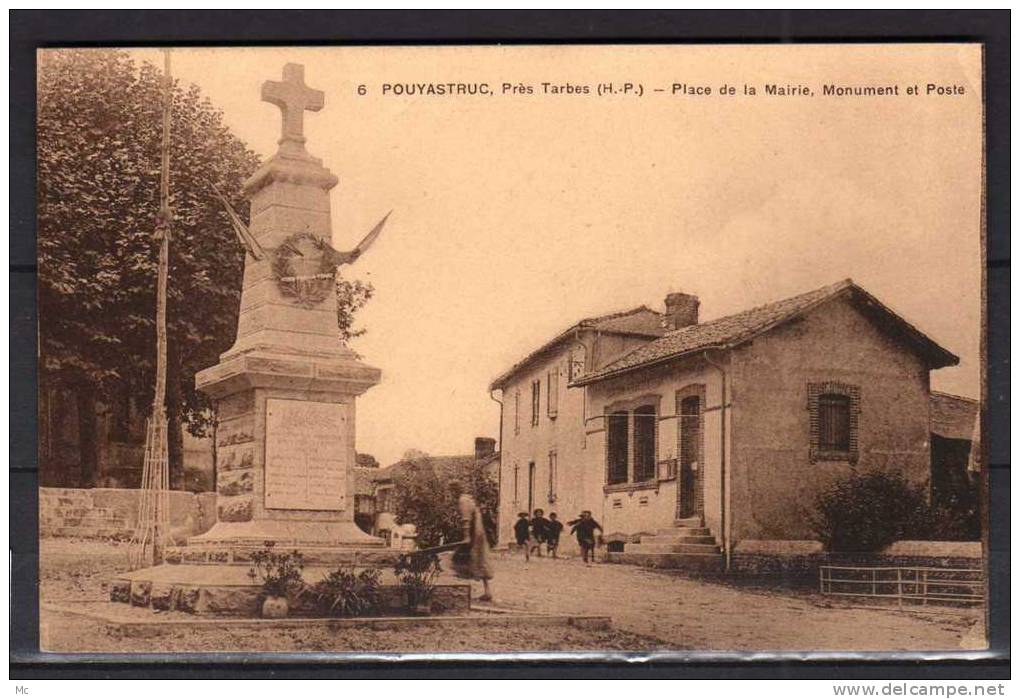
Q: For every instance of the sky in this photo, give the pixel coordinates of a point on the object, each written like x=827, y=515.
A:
x=516, y=215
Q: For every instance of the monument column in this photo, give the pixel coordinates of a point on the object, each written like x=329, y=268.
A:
x=285, y=391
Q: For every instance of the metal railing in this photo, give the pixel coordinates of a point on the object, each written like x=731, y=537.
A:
x=915, y=585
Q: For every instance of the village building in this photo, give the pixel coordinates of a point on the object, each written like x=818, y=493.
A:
x=714, y=433
x=955, y=457
x=543, y=443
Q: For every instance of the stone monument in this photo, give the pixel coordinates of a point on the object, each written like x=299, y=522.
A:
x=284, y=393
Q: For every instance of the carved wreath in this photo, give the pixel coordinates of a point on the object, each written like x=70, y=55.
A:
x=307, y=291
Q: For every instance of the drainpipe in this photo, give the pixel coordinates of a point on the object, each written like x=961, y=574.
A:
x=723, y=489
x=499, y=471
x=584, y=419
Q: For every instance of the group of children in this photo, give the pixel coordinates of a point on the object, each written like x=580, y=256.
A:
x=532, y=533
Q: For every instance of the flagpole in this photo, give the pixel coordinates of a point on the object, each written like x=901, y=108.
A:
x=153, y=524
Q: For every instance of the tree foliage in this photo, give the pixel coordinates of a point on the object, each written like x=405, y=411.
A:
x=98, y=194
x=99, y=162
x=351, y=297
x=426, y=495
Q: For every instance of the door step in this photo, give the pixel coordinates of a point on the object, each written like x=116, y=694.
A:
x=679, y=539
x=683, y=531
x=695, y=521
x=655, y=547
x=689, y=546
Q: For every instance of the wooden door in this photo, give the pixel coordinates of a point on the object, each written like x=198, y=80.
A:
x=690, y=502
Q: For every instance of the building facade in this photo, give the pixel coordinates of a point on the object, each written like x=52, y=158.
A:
x=544, y=443
x=728, y=430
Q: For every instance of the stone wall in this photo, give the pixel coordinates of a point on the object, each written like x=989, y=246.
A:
x=802, y=558
x=113, y=512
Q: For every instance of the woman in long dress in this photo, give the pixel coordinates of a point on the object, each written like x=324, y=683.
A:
x=472, y=560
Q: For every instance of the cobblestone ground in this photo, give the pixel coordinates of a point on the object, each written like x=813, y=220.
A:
x=651, y=610
x=692, y=614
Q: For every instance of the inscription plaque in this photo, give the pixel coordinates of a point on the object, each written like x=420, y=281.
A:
x=306, y=455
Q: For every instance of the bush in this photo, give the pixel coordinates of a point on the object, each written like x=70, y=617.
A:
x=867, y=512
x=346, y=593
x=417, y=575
x=280, y=572
x=947, y=523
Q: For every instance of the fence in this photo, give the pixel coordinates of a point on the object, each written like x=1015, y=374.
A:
x=904, y=584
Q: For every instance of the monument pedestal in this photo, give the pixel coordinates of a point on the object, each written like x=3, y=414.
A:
x=285, y=450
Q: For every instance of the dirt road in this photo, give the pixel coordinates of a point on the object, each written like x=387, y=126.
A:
x=701, y=615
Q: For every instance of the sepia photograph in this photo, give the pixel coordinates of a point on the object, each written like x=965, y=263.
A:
x=650, y=349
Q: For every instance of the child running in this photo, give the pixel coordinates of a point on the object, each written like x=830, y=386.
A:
x=584, y=527
x=522, y=532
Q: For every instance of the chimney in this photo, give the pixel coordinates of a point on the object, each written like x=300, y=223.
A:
x=484, y=448
x=681, y=310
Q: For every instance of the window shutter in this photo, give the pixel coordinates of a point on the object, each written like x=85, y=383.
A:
x=536, y=400
x=833, y=418
x=552, y=476
x=553, y=392
x=644, y=443
x=617, y=447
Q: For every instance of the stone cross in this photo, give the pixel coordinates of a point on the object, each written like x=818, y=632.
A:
x=293, y=97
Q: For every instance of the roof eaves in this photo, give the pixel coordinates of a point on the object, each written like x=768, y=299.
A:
x=583, y=324
x=939, y=356
x=601, y=376
x=955, y=396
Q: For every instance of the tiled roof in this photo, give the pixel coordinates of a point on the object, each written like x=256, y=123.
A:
x=734, y=329
x=442, y=466
x=641, y=321
x=953, y=417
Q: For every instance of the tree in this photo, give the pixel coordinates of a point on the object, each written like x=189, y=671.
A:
x=426, y=493
x=365, y=461
x=98, y=192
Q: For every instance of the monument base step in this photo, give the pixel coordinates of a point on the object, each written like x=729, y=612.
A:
x=228, y=590
x=214, y=554
x=285, y=533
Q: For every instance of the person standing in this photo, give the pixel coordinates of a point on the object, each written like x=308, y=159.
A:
x=472, y=559
x=522, y=533
x=553, y=528
x=584, y=527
